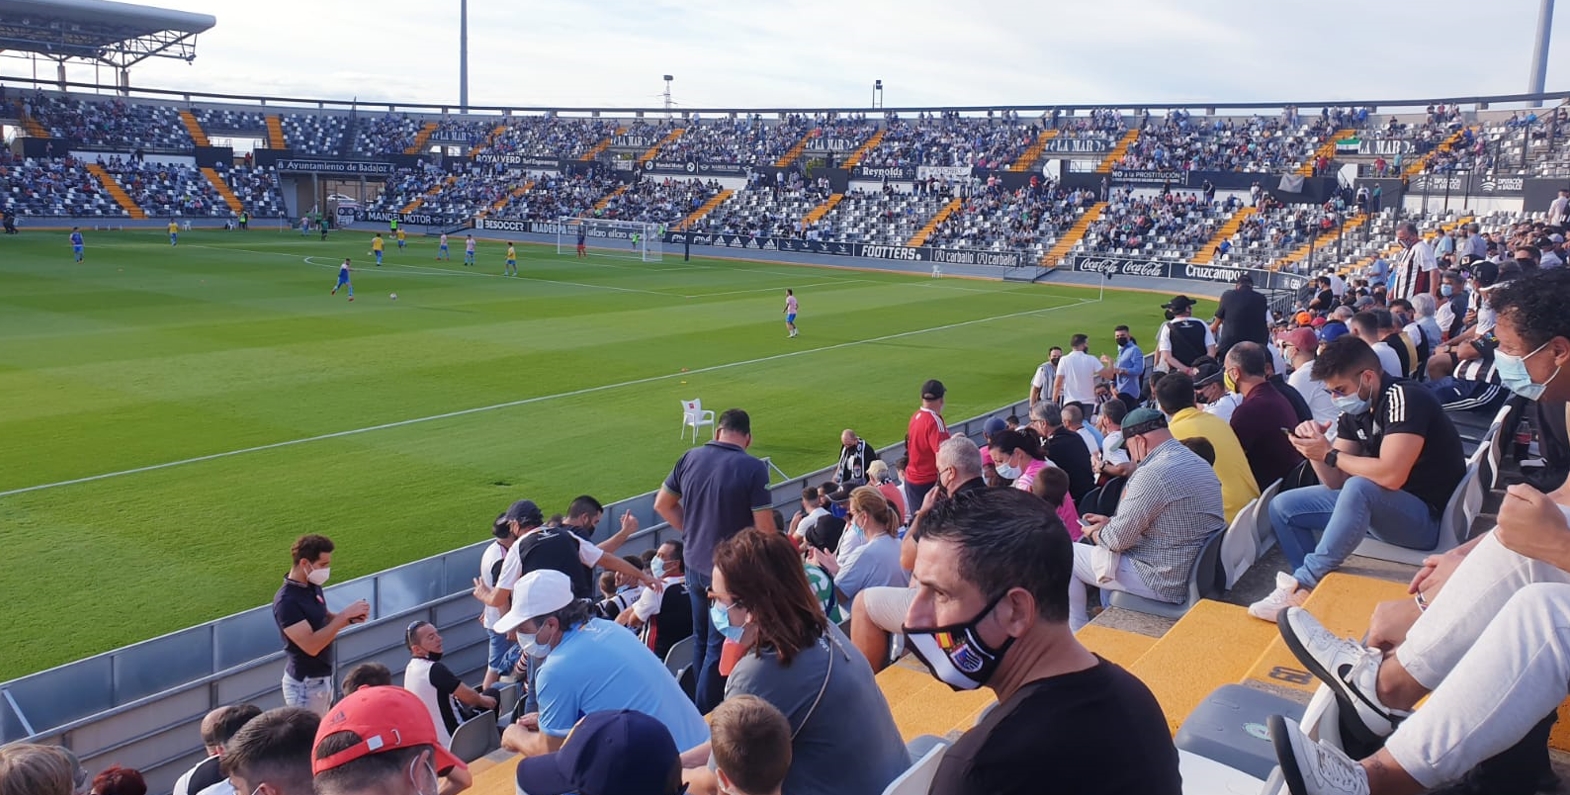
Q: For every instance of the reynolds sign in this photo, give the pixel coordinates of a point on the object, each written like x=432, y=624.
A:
x=351, y=167
x=893, y=173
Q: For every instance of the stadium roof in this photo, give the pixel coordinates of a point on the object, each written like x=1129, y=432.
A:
x=119, y=34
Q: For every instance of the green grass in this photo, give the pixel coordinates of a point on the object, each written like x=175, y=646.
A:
x=145, y=355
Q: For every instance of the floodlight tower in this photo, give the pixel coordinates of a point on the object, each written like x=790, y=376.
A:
x=668, y=79
x=463, y=56
x=877, y=93
x=1539, y=76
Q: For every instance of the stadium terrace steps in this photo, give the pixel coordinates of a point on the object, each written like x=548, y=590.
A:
x=1420, y=164
x=654, y=150
x=489, y=139
x=506, y=200
x=1343, y=603
x=1028, y=158
x=1072, y=235
x=795, y=151
x=495, y=774
x=920, y=238
x=923, y=705
x=854, y=158
x=421, y=138
x=194, y=127
x=1395, y=248
x=31, y=125
x=606, y=199
x=275, y=136
x=1116, y=155
x=708, y=207
x=1321, y=242
x=1115, y=645
x=1214, y=644
x=1223, y=233
x=435, y=189
x=1326, y=150
x=222, y=187
x=112, y=187
x=817, y=213
x=602, y=146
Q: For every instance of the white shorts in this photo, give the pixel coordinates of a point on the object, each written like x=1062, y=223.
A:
x=886, y=606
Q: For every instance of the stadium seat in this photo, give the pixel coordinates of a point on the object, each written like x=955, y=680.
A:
x=680, y=655
x=1455, y=523
x=1225, y=728
x=507, y=698
x=1203, y=776
x=918, y=779
x=1244, y=541
x=476, y=737
x=1204, y=580
x=694, y=416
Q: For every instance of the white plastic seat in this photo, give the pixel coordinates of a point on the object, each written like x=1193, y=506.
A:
x=694, y=416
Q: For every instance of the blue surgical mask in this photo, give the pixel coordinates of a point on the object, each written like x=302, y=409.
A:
x=719, y=618
x=1354, y=403
x=856, y=529
x=1514, y=377
x=1006, y=470
x=1446, y=290
x=657, y=567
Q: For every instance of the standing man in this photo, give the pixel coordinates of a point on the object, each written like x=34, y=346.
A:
x=343, y=279
x=583, y=248
x=1127, y=370
x=402, y=240
x=1076, y=381
x=376, y=248
x=855, y=455
x=1416, y=269
x=468, y=250
x=1559, y=209
x=1242, y=316
x=790, y=312
x=174, y=233
x=925, y=433
x=1046, y=375
x=308, y=627
x=392, y=224
x=512, y=260
x=712, y=493
x=77, y=246
x=502, y=656
x=1183, y=338
x=441, y=250
x=245, y=221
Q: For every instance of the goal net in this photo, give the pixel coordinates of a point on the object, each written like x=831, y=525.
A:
x=603, y=238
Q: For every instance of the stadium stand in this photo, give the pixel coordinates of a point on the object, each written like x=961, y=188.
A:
x=258, y=191
x=109, y=123
x=315, y=134
x=226, y=120
x=747, y=141
x=58, y=187
x=168, y=190
x=948, y=139
x=386, y=134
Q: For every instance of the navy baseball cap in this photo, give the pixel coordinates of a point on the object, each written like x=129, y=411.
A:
x=613, y=752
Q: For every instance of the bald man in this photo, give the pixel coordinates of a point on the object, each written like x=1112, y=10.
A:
x=855, y=455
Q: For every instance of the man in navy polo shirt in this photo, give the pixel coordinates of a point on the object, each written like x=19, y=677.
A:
x=308, y=627
x=714, y=492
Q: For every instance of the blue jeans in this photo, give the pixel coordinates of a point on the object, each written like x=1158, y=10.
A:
x=707, y=644
x=314, y=693
x=502, y=654
x=1344, y=517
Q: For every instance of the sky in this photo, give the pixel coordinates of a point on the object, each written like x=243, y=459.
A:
x=818, y=53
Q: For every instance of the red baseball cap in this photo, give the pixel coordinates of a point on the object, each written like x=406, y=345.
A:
x=386, y=718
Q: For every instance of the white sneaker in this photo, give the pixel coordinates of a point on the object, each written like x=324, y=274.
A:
x=1287, y=594
x=1311, y=768
x=1349, y=668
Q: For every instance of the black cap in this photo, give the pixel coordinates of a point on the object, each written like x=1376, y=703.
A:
x=842, y=494
x=933, y=390
x=1207, y=372
x=1178, y=303
x=524, y=512
x=501, y=528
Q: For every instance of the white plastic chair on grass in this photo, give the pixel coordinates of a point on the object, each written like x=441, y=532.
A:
x=693, y=416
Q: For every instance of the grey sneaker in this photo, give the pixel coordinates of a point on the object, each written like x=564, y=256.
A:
x=1311, y=768
x=1349, y=668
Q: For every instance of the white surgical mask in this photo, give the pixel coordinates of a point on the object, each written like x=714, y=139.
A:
x=531, y=645
x=1006, y=470
x=319, y=576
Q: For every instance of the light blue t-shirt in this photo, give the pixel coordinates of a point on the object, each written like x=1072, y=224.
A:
x=601, y=666
x=871, y=565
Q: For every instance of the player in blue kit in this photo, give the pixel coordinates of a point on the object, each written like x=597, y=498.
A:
x=76, y=243
x=343, y=279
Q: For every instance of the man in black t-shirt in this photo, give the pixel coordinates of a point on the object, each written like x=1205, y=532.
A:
x=307, y=627
x=1394, y=464
x=1064, y=448
x=991, y=610
x=1242, y=316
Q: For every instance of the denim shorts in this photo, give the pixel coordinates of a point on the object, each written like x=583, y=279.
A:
x=503, y=654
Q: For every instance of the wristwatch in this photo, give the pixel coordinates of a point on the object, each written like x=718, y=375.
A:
x=1330, y=457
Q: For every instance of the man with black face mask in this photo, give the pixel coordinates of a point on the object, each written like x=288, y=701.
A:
x=991, y=610
x=437, y=687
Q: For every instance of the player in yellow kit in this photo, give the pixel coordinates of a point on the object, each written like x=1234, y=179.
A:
x=401, y=242
x=512, y=261
x=376, y=248
x=174, y=233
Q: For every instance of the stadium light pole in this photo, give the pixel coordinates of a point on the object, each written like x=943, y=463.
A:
x=668, y=79
x=1545, y=26
x=463, y=56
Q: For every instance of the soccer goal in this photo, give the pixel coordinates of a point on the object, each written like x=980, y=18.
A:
x=620, y=239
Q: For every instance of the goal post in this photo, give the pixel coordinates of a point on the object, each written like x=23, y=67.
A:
x=638, y=240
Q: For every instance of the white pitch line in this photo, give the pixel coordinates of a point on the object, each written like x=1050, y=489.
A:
x=537, y=399
x=777, y=289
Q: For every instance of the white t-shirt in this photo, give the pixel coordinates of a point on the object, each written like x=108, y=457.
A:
x=1078, y=370
x=811, y=520
x=1089, y=437
x=1320, y=404
x=1388, y=360
x=1224, y=407
x=512, y=565
x=494, y=554
x=1042, y=380
x=648, y=603
x=1110, y=449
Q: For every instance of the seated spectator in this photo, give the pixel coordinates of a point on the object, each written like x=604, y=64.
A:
x=874, y=562
x=589, y=665
x=274, y=749
x=1466, y=385
x=1175, y=395
x=380, y=741
x=879, y=612
x=1064, y=447
x=803, y=665
x=751, y=741
x=855, y=454
x=1169, y=509
x=1212, y=391
x=621, y=752
x=1074, y=420
x=1365, y=326
x=367, y=675
x=664, y=617
x=437, y=687
x=1051, y=484
x=1202, y=448
x=27, y=769
x=1263, y=418
x=117, y=780
x=994, y=571
x=1017, y=459
x=1299, y=346
x=626, y=589
x=1391, y=470
x=824, y=537
x=218, y=728
x=878, y=474
x=813, y=507
x=1114, y=460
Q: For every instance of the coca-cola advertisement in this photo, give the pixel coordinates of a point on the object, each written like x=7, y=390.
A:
x=1120, y=266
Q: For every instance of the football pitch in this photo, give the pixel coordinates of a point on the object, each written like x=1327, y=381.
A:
x=174, y=417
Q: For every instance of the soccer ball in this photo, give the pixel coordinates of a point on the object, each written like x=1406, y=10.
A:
x=394, y=296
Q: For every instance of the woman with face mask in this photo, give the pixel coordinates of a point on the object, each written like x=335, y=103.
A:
x=843, y=737
x=874, y=561
x=1017, y=456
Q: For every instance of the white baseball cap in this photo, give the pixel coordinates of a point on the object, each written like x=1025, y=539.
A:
x=540, y=592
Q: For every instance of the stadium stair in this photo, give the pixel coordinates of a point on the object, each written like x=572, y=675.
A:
x=1188, y=662
x=708, y=207
x=606, y=199
x=506, y=200
x=222, y=187
x=421, y=138
x=1116, y=155
x=1417, y=166
x=1027, y=160
x=275, y=136
x=816, y=214
x=420, y=200
x=489, y=139
x=194, y=127
x=112, y=187
x=1072, y=235
x=795, y=151
x=654, y=151
x=1343, y=603
x=920, y=238
x=595, y=150
x=31, y=125
x=1223, y=233
x=1321, y=242
x=1326, y=150
x=854, y=158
